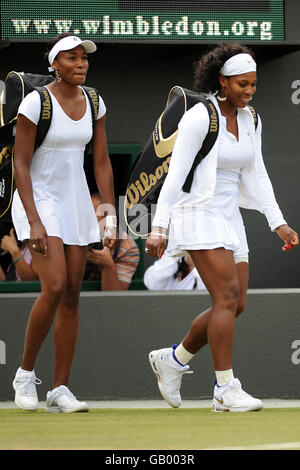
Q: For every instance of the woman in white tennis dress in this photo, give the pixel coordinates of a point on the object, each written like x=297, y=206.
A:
x=59, y=185
x=52, y=208
x=207, y=222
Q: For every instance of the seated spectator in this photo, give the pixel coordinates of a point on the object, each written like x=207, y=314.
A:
x=21, y=267
x=170, y=273
x=115, y=268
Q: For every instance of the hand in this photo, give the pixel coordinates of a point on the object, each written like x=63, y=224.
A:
x=110, y=239
x=101, y=257
x=9, y=243
x=38, y=238
x=110, y=233
x=289, y=236
x=156, y=242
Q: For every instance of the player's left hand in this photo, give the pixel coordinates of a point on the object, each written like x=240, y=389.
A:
x=289, y=236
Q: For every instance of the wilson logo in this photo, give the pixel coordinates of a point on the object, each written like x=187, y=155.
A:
x=2, y=187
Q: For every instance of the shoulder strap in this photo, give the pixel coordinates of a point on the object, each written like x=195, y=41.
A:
x=93, y=97
x=208, y=142
x=45, y=115
x=47, y=109
x=255, y=115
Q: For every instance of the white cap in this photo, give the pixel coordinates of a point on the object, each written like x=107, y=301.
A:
x=68, y=43
x=238, y=64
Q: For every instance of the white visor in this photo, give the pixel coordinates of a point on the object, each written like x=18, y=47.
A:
x=68, y=43
x=238, y=64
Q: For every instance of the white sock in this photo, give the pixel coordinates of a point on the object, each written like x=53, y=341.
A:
x=22, y=371
x=182, y=355
x=224, y=376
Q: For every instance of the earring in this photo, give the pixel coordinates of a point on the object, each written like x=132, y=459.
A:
x=220, y=98
x=57, y=76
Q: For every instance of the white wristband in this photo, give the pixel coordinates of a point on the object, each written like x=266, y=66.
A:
x=111, y=221
x=163, y=235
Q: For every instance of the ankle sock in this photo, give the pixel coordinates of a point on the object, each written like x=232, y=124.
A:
x=224, y=376
x=181, y=355
x=22, y=371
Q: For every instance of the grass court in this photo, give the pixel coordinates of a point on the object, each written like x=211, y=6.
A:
x=160, y=429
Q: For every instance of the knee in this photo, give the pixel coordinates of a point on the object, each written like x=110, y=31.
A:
x=230, y=297
x=241, y=306
x=54, y=289
x=71, y=296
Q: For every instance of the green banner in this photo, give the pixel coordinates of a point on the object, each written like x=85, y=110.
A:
x=133, y=20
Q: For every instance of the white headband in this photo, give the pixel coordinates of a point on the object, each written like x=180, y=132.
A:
x=68, y=43
x=238, y=64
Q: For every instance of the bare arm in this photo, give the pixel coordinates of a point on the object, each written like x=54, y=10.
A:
x=110, y=280
x=105, y=181
x=24, y=148
x=2, y=274
x=102, y=166
x=26, y=271
x=109, y=277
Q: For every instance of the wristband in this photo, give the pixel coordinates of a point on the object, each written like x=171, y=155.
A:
x=159, y=234
x=17, y=259
x=111, y=221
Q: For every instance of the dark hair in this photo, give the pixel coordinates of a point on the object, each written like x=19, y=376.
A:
x=183, y=269
x=207, y=69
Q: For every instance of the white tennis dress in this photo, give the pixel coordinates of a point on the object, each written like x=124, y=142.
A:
x=231, y=176
x=60, y=189
x=220, y=223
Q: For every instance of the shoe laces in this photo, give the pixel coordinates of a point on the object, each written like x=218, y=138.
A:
x=176, y=374
x=28, y=384
x=236, y=388
x=63, y=390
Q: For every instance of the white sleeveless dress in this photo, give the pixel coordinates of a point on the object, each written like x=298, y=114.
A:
x=60, y=189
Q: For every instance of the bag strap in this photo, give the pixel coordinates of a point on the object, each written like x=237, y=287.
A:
x=208, y=142
x=255, y=115
x=47, y=110
x=45, y=115
x=93, y=97
x=210, y=139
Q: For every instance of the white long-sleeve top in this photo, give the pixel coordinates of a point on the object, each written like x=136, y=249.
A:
x=160, y=276
x=255, y=188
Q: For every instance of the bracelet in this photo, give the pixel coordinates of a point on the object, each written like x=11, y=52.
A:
x=17, y=259
x=111, y=221
x=163, y=235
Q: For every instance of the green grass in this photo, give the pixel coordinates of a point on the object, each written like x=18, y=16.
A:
x=160, y=429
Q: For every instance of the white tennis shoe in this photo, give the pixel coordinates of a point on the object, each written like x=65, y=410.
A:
x=231, y=397
x=24, y=385
x=169, y=375
x=62, y=400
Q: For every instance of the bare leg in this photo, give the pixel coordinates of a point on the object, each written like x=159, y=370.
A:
x=196, y=338
x=220, y=275
x=52, y=274
x=67, y=321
